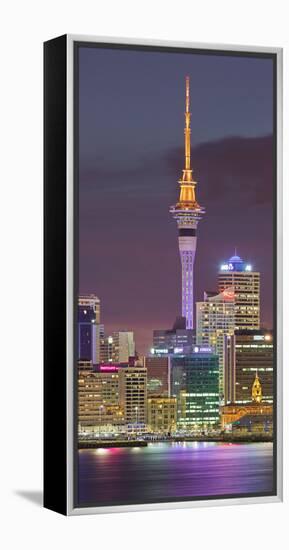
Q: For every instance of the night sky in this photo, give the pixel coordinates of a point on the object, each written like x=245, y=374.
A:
x=131, y=155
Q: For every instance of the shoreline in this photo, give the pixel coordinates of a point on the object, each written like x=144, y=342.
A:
x=95, y=444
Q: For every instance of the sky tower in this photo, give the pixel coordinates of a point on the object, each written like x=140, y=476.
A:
x=188, y=213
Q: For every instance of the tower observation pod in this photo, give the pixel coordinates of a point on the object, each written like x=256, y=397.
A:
x=188, y=213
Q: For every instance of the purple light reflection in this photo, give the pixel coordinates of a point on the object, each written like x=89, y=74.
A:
x=177, y=470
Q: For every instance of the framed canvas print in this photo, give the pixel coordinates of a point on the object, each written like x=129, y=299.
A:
x=163, y=283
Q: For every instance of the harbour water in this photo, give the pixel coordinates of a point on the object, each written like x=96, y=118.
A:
x=164, y=471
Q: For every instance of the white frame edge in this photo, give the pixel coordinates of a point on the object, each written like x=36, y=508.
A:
x=71, y=510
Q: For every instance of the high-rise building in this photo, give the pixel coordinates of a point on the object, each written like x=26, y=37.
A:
x=106, y=344
x=162, y=414
x=84, y=365
x=246, y=284
x=195, y=384
x=229, y=369
x=178, y=339
x=215, y=319
x=88, y=328
x=133, y=397
x=117, y=348
x=123, y=346
x=249, y=352
x=188, y=213
x=157, y=375
x=98, y=401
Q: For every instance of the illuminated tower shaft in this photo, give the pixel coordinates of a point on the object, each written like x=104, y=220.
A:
x=187, y=248
x=188, y=213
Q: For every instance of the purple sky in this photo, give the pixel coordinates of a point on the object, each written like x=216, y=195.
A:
x=131, y=156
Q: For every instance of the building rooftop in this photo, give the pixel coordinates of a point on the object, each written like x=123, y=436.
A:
x=235, y=263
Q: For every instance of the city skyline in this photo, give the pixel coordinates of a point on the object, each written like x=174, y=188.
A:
x=234, y=177
x=172, y=354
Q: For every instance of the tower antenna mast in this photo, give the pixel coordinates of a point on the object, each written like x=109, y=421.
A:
x=188, y=213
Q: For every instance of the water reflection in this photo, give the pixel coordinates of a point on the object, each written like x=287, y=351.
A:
x=173, y=470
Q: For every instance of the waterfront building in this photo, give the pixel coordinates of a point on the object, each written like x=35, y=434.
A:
x=178, y=339
x=98, y=401
x=246, y=284
x=133, y=397
x=215, y=319
x=248, y=352
x=88, y=328
x=257, y=389
x=187, y=212
x=157, y=375
x=195, y=384
x=253, y=417
x=162, y=414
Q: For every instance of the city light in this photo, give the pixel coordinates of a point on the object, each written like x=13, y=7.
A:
x=227, y=267
x=108, y=368
x=202, y=349
x=180, y=388
x=228, y=294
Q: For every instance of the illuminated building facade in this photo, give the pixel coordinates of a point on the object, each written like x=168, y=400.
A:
x=123, y=346
x=257, y=389
x=162, y=414
x=246, y=284
x=195, y=384
x=229, y=369
x=215, y=318
x=84, y=365
x=255, y=416
x=249, y=352
x=157, y=375
x=88, y=328
x=175, y=340
x=187, y=213
x=117, y=348
x=98, y=400
x=133, y=397
x=106, y=345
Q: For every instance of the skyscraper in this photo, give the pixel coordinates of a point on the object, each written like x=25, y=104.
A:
x=249, y=352
x=106, y=343
x=123, y=346
x=118, y=347
x=188, y=213
x=133, y=397
x=215, y=319
x=88, y=328
x=195, y=384
x=246, y=283
x=229, y=369
x=176, y=339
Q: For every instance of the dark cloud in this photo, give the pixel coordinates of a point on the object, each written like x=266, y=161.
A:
x=234, y=167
